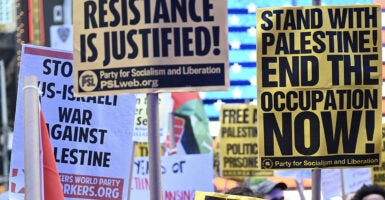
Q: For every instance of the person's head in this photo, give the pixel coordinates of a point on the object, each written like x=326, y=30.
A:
x=271, y=190
x=370, y=192
x=241, y=191
x=349, y=196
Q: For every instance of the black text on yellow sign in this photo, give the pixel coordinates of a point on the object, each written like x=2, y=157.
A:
x=148, y=45
x=319, y=30
x=319, y=86
x=239, y=142
x=125, y=45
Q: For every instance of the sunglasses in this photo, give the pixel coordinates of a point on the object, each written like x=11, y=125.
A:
x=278, y=198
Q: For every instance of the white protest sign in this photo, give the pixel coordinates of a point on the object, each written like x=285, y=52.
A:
x=91, y=136
x=150, y=46
x=181, y=176
x=331, y=183
x=353, y=179
x=141, y=118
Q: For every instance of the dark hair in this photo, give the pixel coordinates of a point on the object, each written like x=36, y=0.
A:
x=241, y=191
x=369, y=189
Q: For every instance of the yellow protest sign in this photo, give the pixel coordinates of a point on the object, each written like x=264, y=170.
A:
x=319, y=79
x=141, y=149
x=378, y=173
x=219, y=196
x=239, y=142
x=149, y=46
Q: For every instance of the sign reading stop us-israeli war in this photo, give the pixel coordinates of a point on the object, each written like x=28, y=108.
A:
x=150, y=46
x=319, y=86
x=91, y=137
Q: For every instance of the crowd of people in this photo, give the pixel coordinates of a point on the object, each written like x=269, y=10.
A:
x=271, y=190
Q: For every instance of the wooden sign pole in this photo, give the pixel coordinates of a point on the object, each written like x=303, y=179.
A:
x=316, y=173
x=154, y=147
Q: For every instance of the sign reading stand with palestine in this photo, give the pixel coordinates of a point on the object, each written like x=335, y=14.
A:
x=150, y=46
x=319, y=86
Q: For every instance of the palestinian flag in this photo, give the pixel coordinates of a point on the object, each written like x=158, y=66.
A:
x=190, y=123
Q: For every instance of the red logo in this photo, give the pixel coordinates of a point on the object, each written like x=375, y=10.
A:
x=17, y=184
x=178, y=128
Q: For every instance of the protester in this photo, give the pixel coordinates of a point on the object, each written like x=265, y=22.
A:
x=370, y=192
x=271, y=190
x=241, y=191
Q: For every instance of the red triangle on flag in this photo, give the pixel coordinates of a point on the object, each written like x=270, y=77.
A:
x=183, y=97
x=52, y=185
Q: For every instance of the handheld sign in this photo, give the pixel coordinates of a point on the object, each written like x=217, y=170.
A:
x=91, y=136
x=140, y=133
x=339, y=182
x=239, y=143
x=150, y=46
x=319, y=86
x=179, y=176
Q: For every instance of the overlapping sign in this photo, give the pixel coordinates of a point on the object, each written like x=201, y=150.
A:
x=239, y=142
x=150, y=46
x=91, y=136
x=179, y=176
x=319, y=86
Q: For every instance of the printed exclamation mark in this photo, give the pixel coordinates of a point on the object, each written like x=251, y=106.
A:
x=216, y=40
x=370, y=131
x=374, y=40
